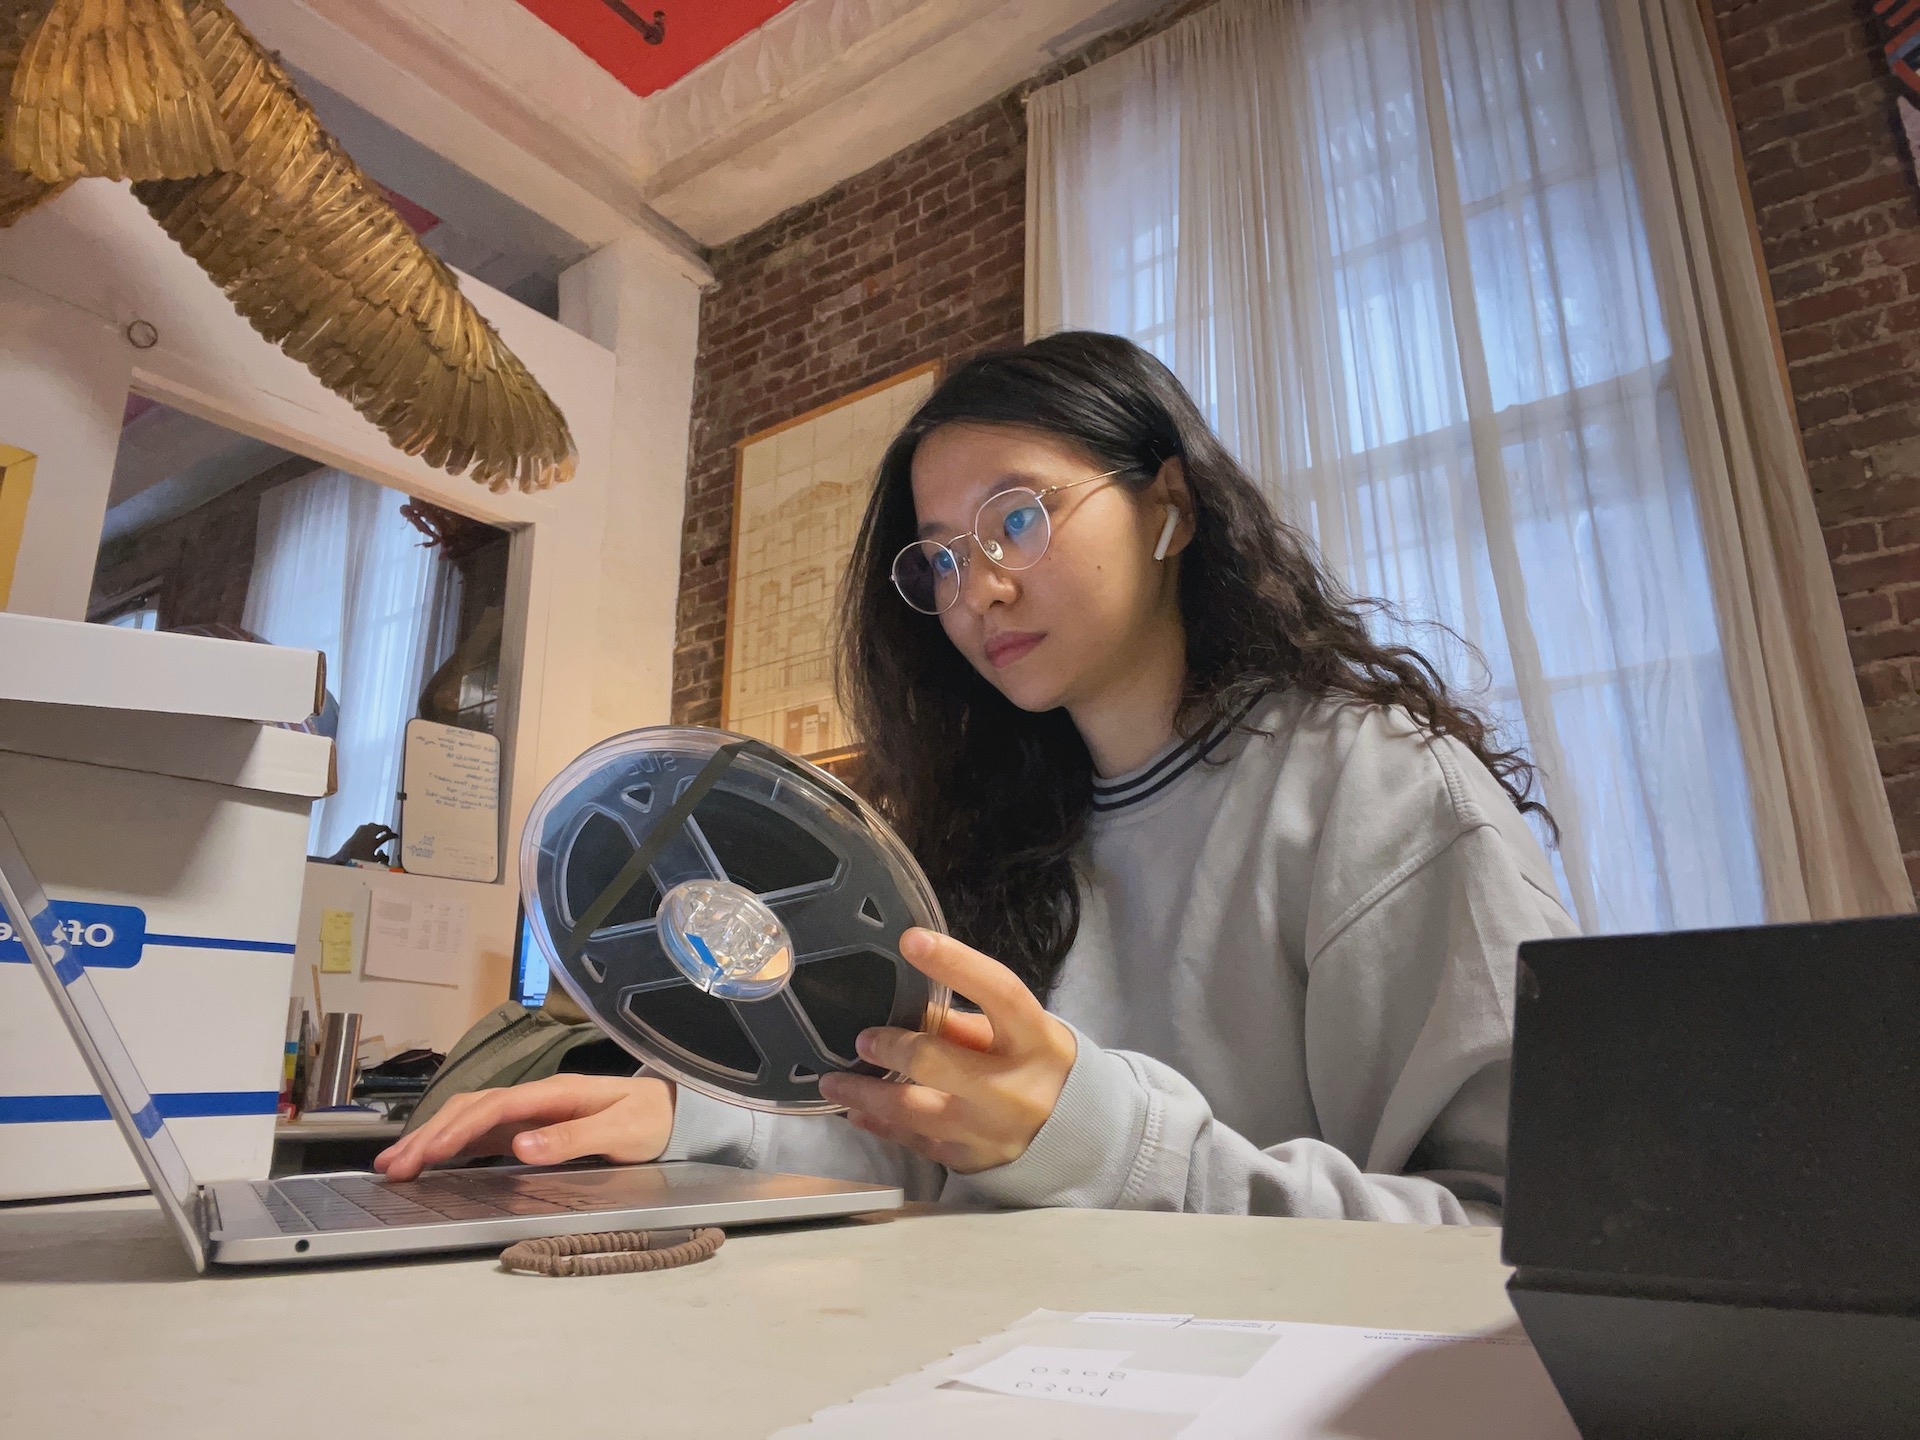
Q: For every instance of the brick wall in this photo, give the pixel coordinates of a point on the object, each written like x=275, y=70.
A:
x=1840, y=229
x=920, y=258
x=199, y=562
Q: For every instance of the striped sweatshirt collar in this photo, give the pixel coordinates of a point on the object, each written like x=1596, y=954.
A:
x=1123, y=792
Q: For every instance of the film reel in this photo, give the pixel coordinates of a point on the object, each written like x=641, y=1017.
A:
x=730, y=914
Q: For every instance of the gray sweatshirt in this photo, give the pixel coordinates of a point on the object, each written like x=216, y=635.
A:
x=1292, y=989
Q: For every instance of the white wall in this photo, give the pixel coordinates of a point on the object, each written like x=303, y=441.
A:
x=402, y=1014
x=63, y=388
x=591, y=596
x=641, y=305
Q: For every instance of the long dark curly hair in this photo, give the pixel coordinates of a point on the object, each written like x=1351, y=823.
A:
x=992, y=798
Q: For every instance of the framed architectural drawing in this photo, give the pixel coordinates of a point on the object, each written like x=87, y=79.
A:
x=799, y=490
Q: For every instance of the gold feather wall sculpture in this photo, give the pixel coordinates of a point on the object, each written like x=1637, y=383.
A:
x=177, y=97
x=19, y=191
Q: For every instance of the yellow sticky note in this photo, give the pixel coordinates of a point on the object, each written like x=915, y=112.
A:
x=336, y=942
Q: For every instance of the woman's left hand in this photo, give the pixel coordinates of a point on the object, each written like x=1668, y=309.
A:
x=983, y=1086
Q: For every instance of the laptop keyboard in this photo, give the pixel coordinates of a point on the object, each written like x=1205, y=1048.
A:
x=302, y=1205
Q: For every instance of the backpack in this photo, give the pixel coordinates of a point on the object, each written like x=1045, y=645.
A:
x=511, y=1045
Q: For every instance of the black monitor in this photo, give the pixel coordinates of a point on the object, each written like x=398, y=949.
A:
x=1713, y=1182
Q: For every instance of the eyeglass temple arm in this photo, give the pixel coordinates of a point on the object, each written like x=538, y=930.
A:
x=1072, y=484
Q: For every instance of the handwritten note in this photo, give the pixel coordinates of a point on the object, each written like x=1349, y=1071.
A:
x=429, y=942
x=450, y=806
x=1095, y=1377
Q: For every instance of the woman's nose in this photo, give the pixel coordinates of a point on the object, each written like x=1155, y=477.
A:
x=984, y=584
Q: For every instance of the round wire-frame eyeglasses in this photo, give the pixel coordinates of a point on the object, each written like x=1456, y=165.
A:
x=1012, y=528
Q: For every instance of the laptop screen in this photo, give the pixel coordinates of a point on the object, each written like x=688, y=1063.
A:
x=37, y=923
x=530, y=975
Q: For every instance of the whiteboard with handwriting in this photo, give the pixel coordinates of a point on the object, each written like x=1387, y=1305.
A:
x=450, y=803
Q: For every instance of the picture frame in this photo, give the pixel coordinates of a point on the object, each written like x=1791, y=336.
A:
x=800, y=489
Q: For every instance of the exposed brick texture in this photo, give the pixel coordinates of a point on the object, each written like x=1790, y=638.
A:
x=199, y=563
x=920, y=258
x=1840, y=228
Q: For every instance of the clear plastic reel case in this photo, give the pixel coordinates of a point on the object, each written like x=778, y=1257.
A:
x=763, y=933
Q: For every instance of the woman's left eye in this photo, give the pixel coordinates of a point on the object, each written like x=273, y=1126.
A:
x=1020, y=521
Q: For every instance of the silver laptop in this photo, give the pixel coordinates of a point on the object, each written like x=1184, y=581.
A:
x=334, y=1216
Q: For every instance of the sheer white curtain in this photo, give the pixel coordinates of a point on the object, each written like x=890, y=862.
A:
x=337, y=568
x=1396, y=251
x=1827, y=842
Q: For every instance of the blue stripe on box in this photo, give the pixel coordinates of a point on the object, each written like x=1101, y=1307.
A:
x=205, y=942
x=111, y=937
x=180, y=1105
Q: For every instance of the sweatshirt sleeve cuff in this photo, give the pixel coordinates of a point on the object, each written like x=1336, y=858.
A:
x=1087, y=1151
x=708, y=1129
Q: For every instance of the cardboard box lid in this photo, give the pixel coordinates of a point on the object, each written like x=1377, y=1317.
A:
x=67, y=662
x=242, y=753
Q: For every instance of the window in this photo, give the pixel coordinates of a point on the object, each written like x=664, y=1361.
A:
x=337, y=568
x=215, y=533
x=1395, y=252
x=139, y=611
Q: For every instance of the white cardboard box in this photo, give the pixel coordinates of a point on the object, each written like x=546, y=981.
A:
x=172, y=824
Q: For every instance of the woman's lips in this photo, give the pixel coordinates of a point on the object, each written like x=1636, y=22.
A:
x=1003, y=650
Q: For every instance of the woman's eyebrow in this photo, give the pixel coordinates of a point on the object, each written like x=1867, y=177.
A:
x=1012, y=480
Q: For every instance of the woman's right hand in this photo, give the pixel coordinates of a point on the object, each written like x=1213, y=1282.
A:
x=544, y=1122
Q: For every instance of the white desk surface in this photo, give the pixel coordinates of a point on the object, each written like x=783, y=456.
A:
x=105, y=1331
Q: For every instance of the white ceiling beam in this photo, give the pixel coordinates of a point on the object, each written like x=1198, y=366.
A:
x=810, y=128
x=822, y=91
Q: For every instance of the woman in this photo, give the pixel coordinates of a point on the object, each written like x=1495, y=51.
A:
x=1265, y=874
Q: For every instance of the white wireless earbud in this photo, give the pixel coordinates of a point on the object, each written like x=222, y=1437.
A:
x=1166, y=532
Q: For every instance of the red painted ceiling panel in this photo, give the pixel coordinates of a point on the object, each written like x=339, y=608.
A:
x=613, y=33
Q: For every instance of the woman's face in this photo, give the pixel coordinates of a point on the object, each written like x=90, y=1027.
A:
x=1067, y=628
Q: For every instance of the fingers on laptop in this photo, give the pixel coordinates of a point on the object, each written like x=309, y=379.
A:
x=480, y=1122
x=543, y=1122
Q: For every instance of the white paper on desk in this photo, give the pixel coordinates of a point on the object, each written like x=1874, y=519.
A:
x=1095, y=1377
x=1277, y=1380
x=429, y=942
x=1324, y=1381
x=934, y=1403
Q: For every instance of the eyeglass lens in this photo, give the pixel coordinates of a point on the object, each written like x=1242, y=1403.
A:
x=1011, y=529
x=927, y=575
